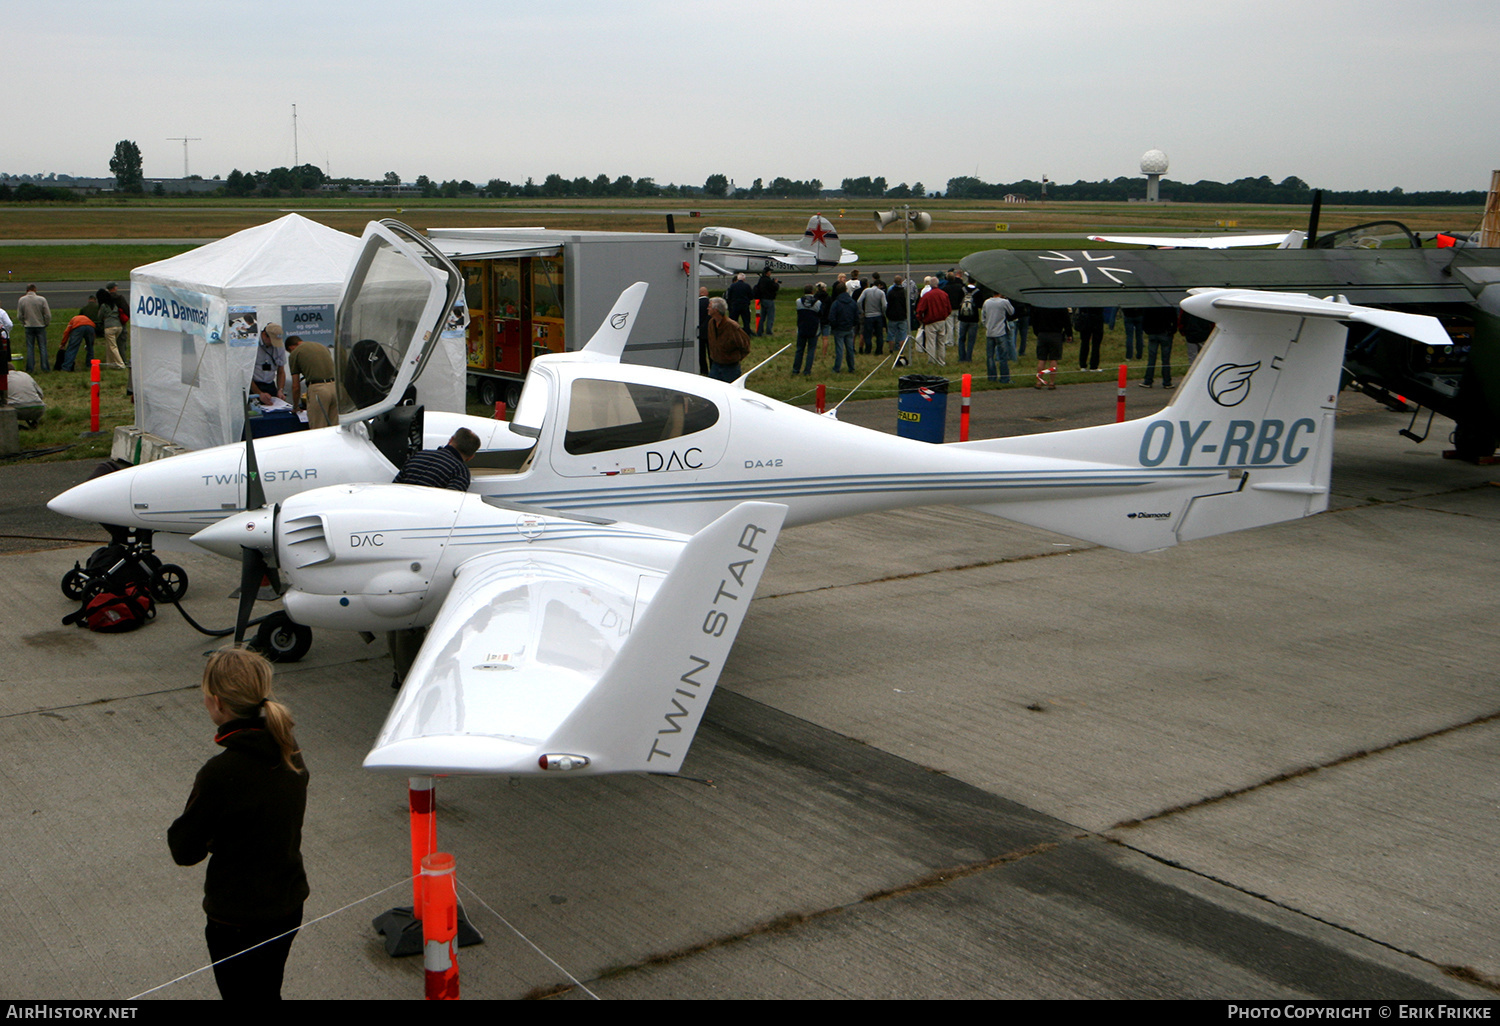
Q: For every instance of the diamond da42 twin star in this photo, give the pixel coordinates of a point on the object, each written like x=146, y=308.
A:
x=582, y=597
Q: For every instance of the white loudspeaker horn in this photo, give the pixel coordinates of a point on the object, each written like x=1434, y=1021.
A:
x=920, y=219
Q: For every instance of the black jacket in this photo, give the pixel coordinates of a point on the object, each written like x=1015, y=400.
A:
x=245, y=812
x=738, y=297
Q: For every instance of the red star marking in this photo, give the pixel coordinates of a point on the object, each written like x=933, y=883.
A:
x=818, y=233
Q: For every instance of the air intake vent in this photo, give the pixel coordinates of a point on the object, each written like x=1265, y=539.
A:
x=306, y=541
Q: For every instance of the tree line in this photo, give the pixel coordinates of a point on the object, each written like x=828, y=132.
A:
x=125, y=165
x=1291, y=190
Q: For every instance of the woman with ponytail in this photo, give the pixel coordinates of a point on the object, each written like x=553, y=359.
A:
x=245, y=812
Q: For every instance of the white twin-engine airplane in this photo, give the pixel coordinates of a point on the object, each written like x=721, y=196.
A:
x=583, y=595
x=731, y=250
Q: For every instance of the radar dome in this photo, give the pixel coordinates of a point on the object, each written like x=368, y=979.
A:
x=1153, y=162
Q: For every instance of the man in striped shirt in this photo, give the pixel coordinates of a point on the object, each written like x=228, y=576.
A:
x=446, y=467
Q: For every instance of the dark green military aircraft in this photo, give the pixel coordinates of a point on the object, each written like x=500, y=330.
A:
x=1379, y=264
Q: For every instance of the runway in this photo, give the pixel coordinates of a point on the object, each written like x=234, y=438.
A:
x=949, y=758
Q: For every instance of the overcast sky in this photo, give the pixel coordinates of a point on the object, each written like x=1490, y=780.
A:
x=1342, y=94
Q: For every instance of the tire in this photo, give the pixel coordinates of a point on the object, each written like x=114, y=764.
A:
x=488, y=391
x=169, y=583
x=512, y=394
x=282, y=641
x=75, y=584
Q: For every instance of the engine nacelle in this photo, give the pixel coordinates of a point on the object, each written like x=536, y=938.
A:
x=367, y=557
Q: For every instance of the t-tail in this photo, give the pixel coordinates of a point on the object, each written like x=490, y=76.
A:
x=608, y=342
x=1247, y=440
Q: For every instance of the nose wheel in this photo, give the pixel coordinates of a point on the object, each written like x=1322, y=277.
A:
x=281, y=640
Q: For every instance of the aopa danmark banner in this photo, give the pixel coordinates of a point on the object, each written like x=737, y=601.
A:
x=180, y=310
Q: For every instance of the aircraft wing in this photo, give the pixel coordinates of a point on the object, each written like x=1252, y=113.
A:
x=553, y=657
x=1198, y=241
x=1157, y=277
x=704, y=264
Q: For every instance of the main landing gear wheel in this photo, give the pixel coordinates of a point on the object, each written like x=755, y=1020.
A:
x=282, y=641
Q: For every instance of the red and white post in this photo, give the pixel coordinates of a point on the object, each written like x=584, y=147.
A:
x=94, y=397
x=963, y=413
x=440, y=927
x=1120, y=394
x=422, y=801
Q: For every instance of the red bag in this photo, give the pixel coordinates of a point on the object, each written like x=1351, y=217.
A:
x=115, y=613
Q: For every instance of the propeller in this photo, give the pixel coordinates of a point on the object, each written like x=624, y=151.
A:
x=257, y=527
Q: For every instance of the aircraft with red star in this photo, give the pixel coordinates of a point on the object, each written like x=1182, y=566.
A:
x=727, y=251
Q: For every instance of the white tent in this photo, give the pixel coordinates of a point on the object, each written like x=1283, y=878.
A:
x=196, y=319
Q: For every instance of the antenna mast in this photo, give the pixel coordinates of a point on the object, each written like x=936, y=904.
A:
x=184, y=139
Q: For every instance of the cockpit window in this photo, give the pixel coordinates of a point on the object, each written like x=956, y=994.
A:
x=606, y=415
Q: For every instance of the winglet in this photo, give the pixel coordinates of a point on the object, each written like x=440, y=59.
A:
x=609, y=341
x=645, y=709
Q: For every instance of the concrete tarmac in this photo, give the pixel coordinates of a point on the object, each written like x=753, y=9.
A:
x=949, y=757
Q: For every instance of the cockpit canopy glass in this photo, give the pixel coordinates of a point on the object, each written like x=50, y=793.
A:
x=607, y=415
x=378, y=323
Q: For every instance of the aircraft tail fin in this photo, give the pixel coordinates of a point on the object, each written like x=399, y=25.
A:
x=1295, y=239
x=1246, y=441
x=609, y=341
x=822, y=240
x=645, y=710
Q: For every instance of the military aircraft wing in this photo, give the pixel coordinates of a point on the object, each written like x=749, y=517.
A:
x=592, y=655
x=1139, y=278
x=1281, y=239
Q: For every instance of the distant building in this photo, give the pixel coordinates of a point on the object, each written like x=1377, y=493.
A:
x=93, y=186
x=371, y=189
x=180, y=186
x=82, y=186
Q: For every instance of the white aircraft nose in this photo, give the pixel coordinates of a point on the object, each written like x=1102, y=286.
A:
x=104, y=499
x=255, y=529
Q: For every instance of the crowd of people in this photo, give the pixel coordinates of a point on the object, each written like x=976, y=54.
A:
x=104, y=318
x=946, y=310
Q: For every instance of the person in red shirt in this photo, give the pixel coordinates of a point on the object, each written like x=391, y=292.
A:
x=933, y=310
x=79, y=332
